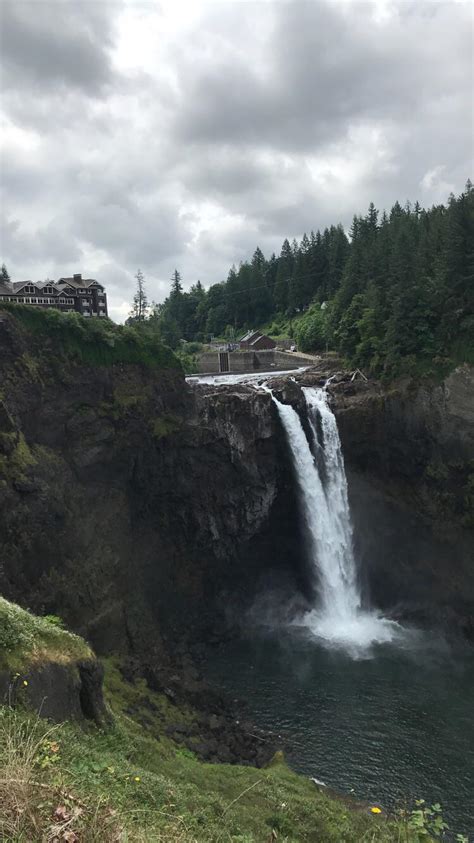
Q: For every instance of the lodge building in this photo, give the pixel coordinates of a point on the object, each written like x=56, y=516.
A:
x=83, y=295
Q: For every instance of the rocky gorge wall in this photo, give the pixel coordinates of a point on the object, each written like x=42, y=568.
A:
x=409, y=455
x=130, y=504
x=417, y=435
x=409, y=450
x=143, y=510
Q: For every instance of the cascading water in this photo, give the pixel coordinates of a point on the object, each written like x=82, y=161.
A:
x=338, y=617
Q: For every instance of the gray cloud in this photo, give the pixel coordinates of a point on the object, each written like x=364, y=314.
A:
x=323, y=68
x=132, y=139
x=50, y=43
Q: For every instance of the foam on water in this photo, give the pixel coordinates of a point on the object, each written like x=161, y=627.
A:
x=252, y=378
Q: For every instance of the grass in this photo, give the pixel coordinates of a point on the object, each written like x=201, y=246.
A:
x=27, y=639
x=96, y=342
x=129, y=785
x=35, y=804
x=132, y=783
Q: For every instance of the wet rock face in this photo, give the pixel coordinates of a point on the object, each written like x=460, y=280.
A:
x=409, y=451
x=408, y=568
x=141, y=509
x=133, y=505
x=415, y=440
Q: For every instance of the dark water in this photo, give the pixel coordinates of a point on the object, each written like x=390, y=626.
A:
x=392, y=728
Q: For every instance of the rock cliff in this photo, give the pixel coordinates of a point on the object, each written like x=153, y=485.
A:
x=409, y=454
x=130, y=504
x=143, y=510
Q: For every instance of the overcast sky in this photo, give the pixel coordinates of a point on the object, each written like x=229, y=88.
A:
x=184, y=134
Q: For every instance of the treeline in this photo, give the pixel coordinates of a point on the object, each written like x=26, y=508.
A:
x=397, y=293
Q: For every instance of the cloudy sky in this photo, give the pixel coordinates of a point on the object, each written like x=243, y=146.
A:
x=183, y=134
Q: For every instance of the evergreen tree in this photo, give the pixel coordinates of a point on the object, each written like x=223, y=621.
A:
x=4, y=276
x=217, y=314
x=140, y=301
x=398, y=292
x=458, y=287
x=319, y=282
x=260, y=296
x=297, y=292
x=283, y=276
x=271, y=274
x=337, y=255
x=176, y=299
x=176, y=285
x=169, y=330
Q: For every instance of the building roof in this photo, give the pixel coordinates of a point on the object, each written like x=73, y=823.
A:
x=261, y=337
x=17, y=285
x=64, y=284
x=250, y=335
x=78, y=281
x=39, y=286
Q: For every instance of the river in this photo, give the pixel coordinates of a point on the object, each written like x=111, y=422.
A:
x=390, y=728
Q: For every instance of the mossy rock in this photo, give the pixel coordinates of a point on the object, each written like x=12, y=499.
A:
x=164, y=426
x=47, y=669
x=27, y=640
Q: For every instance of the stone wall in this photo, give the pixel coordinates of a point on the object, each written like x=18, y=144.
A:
x=252, y=361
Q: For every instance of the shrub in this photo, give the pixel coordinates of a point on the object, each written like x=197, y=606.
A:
x=97, y=342
x=311, y=331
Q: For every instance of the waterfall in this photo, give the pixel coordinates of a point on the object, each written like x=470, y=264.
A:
x=340, y=594
x=337, y=617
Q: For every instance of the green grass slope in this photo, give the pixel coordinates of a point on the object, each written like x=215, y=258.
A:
x=27, y=640
x=131, y=782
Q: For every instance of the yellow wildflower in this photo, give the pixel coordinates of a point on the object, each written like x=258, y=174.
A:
x=136, y=779
x=376, y=810
x=25, y=683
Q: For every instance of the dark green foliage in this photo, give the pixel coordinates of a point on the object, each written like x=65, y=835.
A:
x=97, y=342
x=311, y=332
x=397, y=294
x=4, y=275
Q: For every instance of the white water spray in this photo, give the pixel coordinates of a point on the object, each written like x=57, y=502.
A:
x=338, y=617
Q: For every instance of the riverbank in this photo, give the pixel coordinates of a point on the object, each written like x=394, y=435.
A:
x=126, y=777
x=386, y=729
